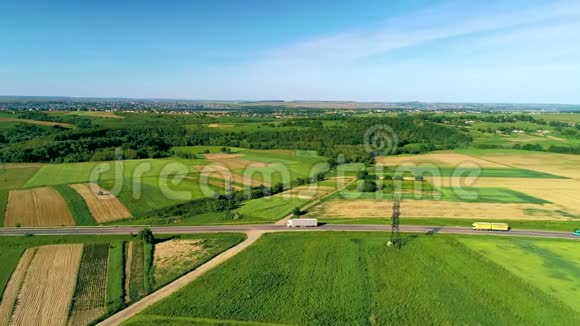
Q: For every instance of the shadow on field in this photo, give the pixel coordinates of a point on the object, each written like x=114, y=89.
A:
x=160, y=240
x=407, y=239
x=433, y=231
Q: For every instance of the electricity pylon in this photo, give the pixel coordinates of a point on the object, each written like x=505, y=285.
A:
x=395, y=240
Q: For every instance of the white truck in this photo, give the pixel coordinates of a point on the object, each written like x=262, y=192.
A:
x=298, y=222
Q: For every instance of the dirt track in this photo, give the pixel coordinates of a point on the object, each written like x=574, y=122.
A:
x=174, y=286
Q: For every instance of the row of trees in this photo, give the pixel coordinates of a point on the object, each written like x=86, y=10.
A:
x=229, y=202
x=537, y=148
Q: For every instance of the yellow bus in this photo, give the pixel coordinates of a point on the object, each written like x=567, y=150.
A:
x=488, y=226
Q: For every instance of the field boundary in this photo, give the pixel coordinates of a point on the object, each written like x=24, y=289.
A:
x=77, y=205
x=181, y=282
x=317, y=201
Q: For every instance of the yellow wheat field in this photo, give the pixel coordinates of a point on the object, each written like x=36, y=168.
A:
x=438, y=159
x=565, y=165
x=103, y=205
x=13, y=286
x=37, y=207
x=46, y=292
x=443, y=209
x=169, y=253
x=175, y=256
x=562, y=192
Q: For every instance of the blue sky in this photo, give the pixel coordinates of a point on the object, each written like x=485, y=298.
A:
x=478, y=51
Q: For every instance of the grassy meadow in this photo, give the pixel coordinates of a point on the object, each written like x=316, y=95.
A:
x=354, y=278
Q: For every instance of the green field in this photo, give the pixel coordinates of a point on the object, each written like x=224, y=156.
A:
x=3, y=204
x=153, y=194
x=77, y=205
x=53, y=174
x=14, y=177
x=488, y=195
x=354, y=278
x=297, y=164
x=116, y=276
x=423, y=191
x=551, y=266
x=484, y=172
x=269, y=209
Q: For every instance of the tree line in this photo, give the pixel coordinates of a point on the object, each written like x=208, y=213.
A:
x=152, y=139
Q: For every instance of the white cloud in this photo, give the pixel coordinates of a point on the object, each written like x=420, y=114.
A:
x=333, y=66
x=409, y=31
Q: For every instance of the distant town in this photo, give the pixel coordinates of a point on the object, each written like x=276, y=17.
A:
x=176, y=106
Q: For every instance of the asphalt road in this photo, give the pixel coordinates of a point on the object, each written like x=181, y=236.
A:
x=107, y=230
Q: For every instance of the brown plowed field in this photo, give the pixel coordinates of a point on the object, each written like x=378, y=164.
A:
x=37, y=207
x=49, y=284
x=439, y=159
x=220, y=172
x=103, y=205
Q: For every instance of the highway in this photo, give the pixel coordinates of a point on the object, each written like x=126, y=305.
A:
x=109, y=230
